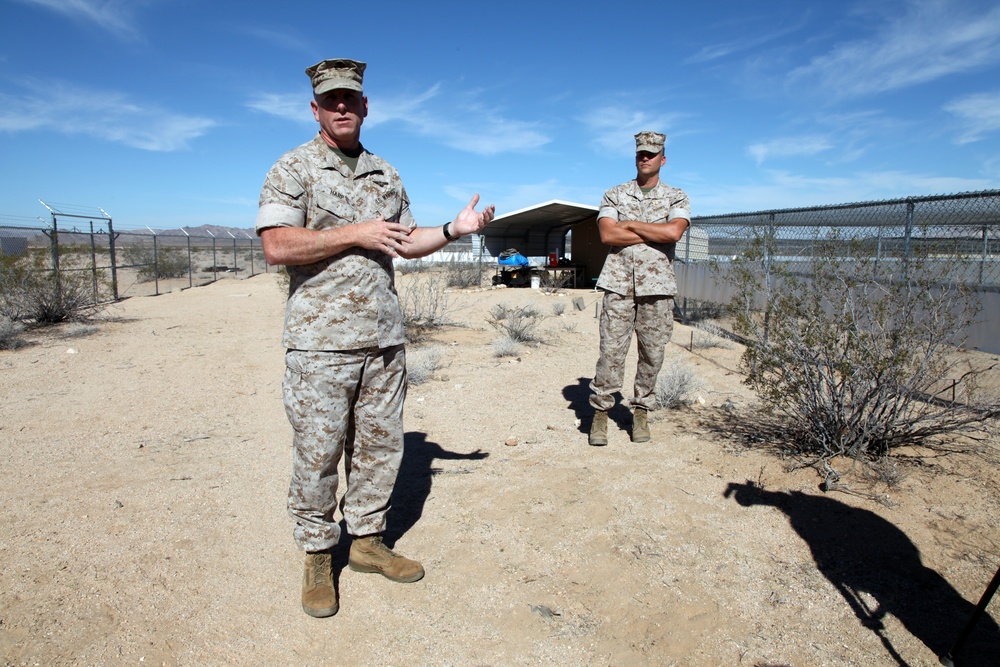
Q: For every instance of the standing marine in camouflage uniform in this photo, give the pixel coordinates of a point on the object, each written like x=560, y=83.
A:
x=641, y=220
x=335, y=216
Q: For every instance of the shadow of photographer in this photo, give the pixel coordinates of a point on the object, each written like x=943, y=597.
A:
x=859, y=552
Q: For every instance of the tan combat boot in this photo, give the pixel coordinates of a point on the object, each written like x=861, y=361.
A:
x=599, y=429
x=319, y=597
x=640, y=425
x=368, y=554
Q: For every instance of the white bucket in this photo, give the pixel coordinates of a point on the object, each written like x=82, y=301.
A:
x=536, y=282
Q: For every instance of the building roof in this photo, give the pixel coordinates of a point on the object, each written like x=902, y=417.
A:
x=537, y=230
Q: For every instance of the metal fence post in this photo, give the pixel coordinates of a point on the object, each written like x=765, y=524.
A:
x=768, y=276
x=878, y=248
x=114, y=260
x=906, y=238
x=54, y=249
x=93, y=259
x=982, y=262
x=156, y=268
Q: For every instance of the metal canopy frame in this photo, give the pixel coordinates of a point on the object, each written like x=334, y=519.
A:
x=537, y=230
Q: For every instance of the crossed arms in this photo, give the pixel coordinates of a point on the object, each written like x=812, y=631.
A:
x=630, y=232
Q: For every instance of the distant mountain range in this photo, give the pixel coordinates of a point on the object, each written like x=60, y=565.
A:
x=211, y=230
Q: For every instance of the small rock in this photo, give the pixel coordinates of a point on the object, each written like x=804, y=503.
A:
x=510, y=442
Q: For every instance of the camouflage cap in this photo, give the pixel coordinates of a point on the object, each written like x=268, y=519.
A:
x=336, y=73
x=650, y=142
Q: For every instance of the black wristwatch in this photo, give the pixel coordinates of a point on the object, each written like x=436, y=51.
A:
x=446, y=234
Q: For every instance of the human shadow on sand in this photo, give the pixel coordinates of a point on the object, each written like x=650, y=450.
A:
x=578, y=396
x=862, y=554
x=413, y=485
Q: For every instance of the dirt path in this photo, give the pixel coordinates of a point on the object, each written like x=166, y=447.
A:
x=143, y=485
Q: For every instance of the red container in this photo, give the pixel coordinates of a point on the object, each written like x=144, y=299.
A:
x=553, y=260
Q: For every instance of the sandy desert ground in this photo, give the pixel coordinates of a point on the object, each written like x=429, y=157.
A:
x=144, y=471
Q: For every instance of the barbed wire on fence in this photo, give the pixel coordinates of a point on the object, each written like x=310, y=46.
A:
x=129, y=262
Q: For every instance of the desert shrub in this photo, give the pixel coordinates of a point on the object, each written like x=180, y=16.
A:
x=697, y=310
x=551, y=282
x=166, y=262
x=31, y=292
x=10, y=334
x=558, y=308
x=520, y=324
x=464, y=274
x=424, y=301
x=405, y=266
x=709, y=335
x=506, y=347
x=846, y=350
x=421, y=364
x=675, y=384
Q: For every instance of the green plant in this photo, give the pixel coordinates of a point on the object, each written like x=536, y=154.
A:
x=847, y=350
x=31, y=292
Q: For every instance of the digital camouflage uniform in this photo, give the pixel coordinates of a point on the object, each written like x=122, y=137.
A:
x=639, y=285
x=345, y=365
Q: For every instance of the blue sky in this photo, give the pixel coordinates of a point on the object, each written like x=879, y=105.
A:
x=168, y=113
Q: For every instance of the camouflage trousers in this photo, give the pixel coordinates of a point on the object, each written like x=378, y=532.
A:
x=652, y=320
x=343, y=405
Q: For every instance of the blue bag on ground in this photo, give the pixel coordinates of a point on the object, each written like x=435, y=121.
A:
x=512, y=257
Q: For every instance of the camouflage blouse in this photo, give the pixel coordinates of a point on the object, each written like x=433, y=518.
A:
x=347, y=301
x=644, y=269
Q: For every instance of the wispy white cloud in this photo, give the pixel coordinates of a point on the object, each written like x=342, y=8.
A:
x=287, y=40
x=789, y=147
x=113, y=16
x=290, y=106
x=400, y=107
x=932, y=39
x=991, y=168
x=465, y=124
x=67, y=109
x=613, y=129
x=747, y=42
x=979, y=114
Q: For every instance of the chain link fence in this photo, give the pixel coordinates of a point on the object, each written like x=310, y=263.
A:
x=960, y=233
x=122, y=264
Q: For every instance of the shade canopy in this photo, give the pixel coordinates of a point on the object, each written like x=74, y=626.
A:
x=537, y=230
